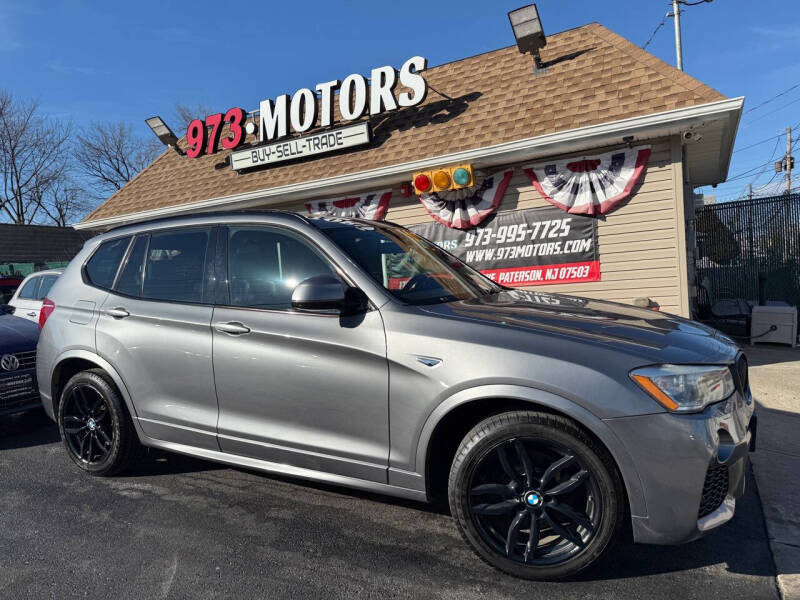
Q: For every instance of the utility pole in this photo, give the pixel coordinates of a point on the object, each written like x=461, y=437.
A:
x=676, y=13
x=788, y=166
x=750, y=193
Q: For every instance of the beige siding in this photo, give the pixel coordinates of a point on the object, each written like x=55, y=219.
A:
x=641, y=244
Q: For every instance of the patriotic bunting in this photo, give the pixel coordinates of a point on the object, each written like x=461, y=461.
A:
x=465, y=208
x=370, y=206
x=590, y=185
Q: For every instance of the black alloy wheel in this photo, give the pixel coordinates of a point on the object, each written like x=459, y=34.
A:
x=534, y=495
x=534, y=501
x=97, y=431
x=87, y=427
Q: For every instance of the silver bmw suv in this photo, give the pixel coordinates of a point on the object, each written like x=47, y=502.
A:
x=357, y=353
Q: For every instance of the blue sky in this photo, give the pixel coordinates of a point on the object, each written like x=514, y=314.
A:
x=89, y=61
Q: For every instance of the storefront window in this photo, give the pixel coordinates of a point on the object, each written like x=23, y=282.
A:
x=411, y=268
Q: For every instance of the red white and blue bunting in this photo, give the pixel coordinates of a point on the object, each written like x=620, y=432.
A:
x=465, y=208
x=590, y=185
x=372, y=206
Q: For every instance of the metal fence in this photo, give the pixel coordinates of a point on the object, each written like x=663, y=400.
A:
x=743, y=241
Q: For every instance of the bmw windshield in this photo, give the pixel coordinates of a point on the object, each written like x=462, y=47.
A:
x=411, y=268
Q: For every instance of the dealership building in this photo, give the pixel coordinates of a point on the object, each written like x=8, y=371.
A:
x=567, y=169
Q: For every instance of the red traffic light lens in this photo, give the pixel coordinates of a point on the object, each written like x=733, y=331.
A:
x=422, y=183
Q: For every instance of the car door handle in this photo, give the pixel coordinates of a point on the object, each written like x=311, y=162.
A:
x=117, y=313
x=32, y=314
x=232, y=328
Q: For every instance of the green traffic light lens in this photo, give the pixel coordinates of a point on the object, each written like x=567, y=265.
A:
x=461, y=176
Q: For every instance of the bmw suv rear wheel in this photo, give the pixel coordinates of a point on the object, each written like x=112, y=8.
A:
x=534, y=495
x=95, y=426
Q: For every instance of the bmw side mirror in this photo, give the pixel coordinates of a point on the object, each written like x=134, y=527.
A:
x=6, y=309
x=324, y=293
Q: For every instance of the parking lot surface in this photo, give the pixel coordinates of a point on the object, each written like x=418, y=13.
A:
x=177, y=527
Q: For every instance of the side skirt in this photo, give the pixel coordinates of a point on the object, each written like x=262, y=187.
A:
x=282, y=469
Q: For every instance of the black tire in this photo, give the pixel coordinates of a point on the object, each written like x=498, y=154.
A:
x=491, y=517
x=90, y=397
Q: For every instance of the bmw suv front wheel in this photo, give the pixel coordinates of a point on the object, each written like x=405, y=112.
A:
x=534, y=495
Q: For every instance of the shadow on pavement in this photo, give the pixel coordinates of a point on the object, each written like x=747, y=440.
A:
x=159, y=462
x=741, y=544
x=32, y=428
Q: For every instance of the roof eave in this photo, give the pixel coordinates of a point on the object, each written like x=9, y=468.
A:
x=643, y=127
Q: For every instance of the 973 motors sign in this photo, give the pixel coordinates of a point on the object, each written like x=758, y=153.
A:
x=309, y=109
x=519, y=248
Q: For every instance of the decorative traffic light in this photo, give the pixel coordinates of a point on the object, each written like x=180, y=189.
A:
x=446, y=178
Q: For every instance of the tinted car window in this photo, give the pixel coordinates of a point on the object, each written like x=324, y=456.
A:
x=47, y=283
x=265, y=265
x=102, y=267
x=174, y=266
x=6, y=292
x=411, y=268
x=30, y=289
x=129, y=281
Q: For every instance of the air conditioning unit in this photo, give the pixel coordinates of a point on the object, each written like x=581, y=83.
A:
x=775, y=324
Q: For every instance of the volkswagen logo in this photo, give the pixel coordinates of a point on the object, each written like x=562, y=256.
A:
x=9, y=362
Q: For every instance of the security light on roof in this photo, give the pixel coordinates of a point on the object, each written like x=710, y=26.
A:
x=528, y=31
x=163, y=132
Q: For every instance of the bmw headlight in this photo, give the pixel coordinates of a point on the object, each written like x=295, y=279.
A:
x=685, y=388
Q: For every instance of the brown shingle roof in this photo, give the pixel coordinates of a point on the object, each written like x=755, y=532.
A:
x=593, y=76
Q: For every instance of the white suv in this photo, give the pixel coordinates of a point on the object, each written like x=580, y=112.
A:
x=27, y=300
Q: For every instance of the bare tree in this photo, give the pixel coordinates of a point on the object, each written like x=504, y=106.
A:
x=65, y=202
x=186, y=113
x=33, y=157
x=109, y=155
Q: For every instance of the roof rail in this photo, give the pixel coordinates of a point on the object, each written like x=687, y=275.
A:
x=225, y=213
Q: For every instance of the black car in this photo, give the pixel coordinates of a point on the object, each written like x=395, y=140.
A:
x=18, y=389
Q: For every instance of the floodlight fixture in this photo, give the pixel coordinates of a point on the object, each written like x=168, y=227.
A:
x=528, y=32
x=163, y=132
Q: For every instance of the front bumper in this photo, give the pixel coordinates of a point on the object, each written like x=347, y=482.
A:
x=18, y=392
x=692, y=467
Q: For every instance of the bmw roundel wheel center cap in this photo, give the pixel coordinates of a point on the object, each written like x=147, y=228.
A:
x=532, y=499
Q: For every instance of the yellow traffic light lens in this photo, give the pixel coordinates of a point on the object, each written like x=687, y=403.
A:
x=441, y=179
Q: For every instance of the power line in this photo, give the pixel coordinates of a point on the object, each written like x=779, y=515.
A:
x=759, y=143
x=763, y=166
x=655, y=31
x=775, y=97
x=744, y=174
x=772, y=112
x=770, y=162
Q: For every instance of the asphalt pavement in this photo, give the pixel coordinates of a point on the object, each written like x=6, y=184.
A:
x=177, y=527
